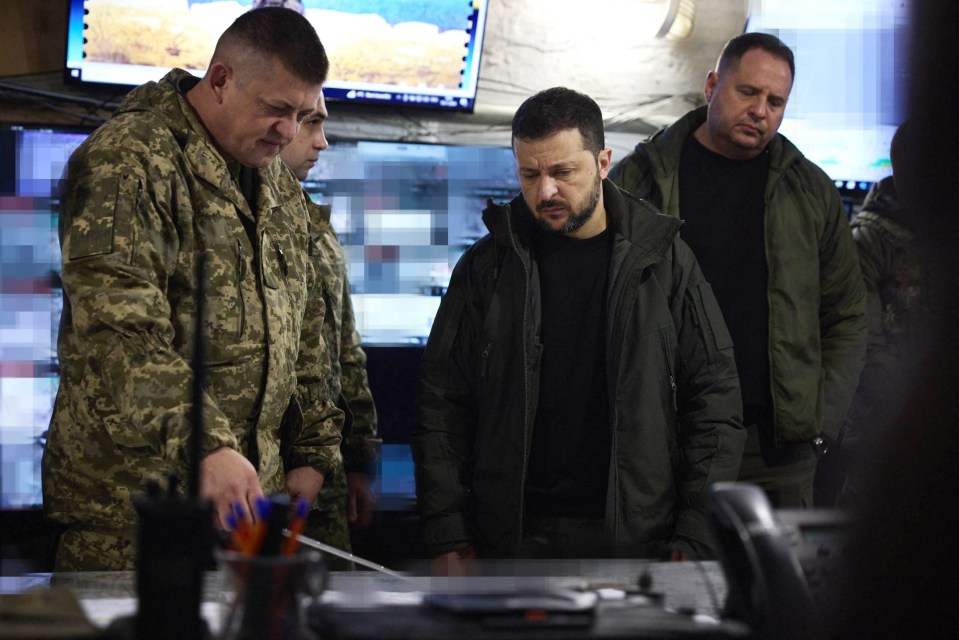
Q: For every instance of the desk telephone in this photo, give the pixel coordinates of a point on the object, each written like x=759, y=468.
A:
x=781, y=567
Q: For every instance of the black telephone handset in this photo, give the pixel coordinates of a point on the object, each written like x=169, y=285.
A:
x=767, y=587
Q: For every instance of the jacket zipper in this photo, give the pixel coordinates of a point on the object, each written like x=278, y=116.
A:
x=613, y=380
x=526, y=305
x=240, y=277
x=281, y=258
x=614, y=454
x=769, y=314
x=485, y=358
x=669, y=372
x=133, y=228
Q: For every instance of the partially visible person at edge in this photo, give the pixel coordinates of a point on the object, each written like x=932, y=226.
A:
x=188, y=167
x=579, y=392
x=770, y=232
x=295, y=5
x=346, y=499
x=898, y=313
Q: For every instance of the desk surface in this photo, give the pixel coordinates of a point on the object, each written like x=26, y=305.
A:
x=691, y=593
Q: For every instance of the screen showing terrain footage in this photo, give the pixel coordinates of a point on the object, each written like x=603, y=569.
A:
x=390, y=51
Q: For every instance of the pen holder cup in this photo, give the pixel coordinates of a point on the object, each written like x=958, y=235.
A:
x=270, y=594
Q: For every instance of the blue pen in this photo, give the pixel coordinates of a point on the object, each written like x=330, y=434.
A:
x=275, y=521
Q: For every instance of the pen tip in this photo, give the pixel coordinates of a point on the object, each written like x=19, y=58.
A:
x=262, y=507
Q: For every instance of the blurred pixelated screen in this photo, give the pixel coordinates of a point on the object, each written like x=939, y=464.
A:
x=849, y=91
x=404, y=213
x=30, y=301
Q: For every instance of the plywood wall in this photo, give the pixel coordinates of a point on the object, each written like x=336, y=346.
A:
x=33, y=34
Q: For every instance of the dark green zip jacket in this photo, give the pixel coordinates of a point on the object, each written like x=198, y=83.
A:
x=817, y=300
x=675, y=407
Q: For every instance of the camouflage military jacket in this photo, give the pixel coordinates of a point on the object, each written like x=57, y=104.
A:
x=348, y=380
x=143, y=197
x=891, y=268
x=900, y=318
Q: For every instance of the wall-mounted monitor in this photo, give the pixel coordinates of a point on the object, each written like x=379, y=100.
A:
x=404, y=213
x=849, y=92
x=395, y=52
x=31, y=300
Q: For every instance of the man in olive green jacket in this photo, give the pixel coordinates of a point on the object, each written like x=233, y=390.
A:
x=771, y=234
x=188, y=167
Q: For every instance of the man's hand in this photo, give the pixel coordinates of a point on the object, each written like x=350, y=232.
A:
x=678, y=555
x=228, y=479
x=359, y=507
x=459, y=562
x=304, y=483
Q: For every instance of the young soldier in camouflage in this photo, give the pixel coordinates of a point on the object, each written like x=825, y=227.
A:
x=898, y=312
x=189, y=167
x=346, y=498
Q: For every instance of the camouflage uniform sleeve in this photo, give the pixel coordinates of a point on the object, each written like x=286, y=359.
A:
x=359, y=442
x=317, y=443
x=120, y=248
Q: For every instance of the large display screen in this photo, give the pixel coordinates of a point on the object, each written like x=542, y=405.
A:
x=849, y=92
x=31, y=299
x=396, y=52
x=404, y=213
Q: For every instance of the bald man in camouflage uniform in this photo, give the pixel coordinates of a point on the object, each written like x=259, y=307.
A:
x=346, y=498
x=185, y=168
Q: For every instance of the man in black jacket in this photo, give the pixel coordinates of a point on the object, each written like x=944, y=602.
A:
x=579, y=392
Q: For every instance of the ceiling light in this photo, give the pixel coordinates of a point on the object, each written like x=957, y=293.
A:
x=679, y=19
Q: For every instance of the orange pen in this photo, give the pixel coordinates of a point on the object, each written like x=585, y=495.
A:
x=297, y=524
x=258, y=532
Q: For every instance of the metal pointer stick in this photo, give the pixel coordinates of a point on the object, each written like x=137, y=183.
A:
x=316, y=544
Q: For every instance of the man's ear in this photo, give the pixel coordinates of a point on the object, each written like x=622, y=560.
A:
x=219, y=75
x=605, y=160
x=712, y=79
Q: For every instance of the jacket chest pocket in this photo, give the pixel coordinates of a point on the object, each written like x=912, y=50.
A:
x=230, y=286
x=709, y=322
x=284, y=272
x=647, y=384
x=330, y=284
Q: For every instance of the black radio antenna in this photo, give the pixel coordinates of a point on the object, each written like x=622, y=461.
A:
x=199, y=370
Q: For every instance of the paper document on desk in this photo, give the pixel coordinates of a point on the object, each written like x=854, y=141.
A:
x=371, y=598
x=103, y=611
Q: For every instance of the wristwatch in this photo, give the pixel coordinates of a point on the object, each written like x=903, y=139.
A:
x=820, y=445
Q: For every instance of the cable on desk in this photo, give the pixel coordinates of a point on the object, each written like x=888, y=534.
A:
x=713, y=596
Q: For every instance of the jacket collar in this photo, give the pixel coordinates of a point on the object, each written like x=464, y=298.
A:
x=320, y=215
x=633, y=220
x=666, y=145
x=163, y=101
x=882, y=200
